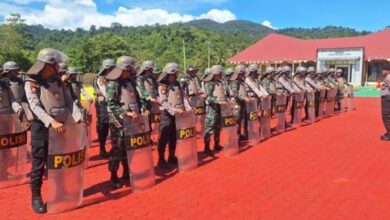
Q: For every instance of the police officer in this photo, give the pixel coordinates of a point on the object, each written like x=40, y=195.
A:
x=310, y=80
x=44, y=91
x=77, y=86
x=10, y=77
x=299, y=83
x=147, y=86
x=172, y=102
x=239, y=96
x=285, y=85
x=205, y=74
x=269, y=84
x=254, y=88
x=101, y=98
x=385, y=101
x=123, y=101
x=341, y=82
x=191, y=84
x=214, y=99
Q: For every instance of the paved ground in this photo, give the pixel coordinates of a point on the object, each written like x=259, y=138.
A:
x=334, y=169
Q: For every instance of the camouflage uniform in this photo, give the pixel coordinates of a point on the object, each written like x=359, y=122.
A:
x=123, y=98
x=191, y=84
x=215, y=95
x=101, y=98
x=76, y=86
x=147, y=86
x=239, y=94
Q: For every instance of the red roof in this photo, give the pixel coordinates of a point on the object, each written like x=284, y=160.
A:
x=278, y=48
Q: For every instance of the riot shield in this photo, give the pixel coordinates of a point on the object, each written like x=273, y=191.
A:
x=265, y=119
x=321, y=105
x=155, y=117
x=66, y=165
x=198, y=104
x=298, y=107
x=253, y=122
x=139, y=152
x=14, y=164
x=311, y=115
x=229, y=138
x=186, y=150
x=344, y=99
x=351, y=105
x=280, y=112
x=330, y=102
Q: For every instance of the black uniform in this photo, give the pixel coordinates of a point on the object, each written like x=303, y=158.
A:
x=102, y=120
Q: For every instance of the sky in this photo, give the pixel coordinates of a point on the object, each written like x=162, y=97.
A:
x=72, y=14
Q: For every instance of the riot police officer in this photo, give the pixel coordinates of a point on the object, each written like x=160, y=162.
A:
x=101, y=98
x=239, y=95
x=10, y=77
x=77, y=86
x=385, y=101
x=214, y=98
x=269, y=84
x=44, y=91
x=123, y=101
x=172, y=102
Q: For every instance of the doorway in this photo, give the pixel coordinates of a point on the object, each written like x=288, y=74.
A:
x=346, y=71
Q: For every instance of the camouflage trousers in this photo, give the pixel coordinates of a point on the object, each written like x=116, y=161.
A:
x=118, y=149
x=212, y=124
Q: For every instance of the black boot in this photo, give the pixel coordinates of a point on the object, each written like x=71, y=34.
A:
x=36, y=202
x=162, y=164
x=115, y=183
x=125, y=173
x=103, y=153
x=172, y=160
x=217, y=148
x=207, y=149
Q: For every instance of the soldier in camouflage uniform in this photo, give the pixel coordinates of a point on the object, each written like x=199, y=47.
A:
x=205, y=74
x=172, y=100
x=269, y=84
x=214, y=99
x=147, y=86
x=239, y=96
x=123, y=101
x=101, y=98
x=226, y=80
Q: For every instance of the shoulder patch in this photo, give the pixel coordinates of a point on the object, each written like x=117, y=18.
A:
x=163, y=89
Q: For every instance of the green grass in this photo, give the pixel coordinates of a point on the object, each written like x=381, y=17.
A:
x=366, y=92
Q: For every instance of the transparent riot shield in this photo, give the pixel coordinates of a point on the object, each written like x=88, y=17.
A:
x=280, y=112
x=155, y=117
x=265, y=119
x=351, y=105
x=199, y=106
x=311, y=114
x=343, y=99
x=321, y=105
x=330, y=102
x=298, y=107
x=66, y=165
x=253, y=122
x=14, y=164
x=229, y=137
x=186, y=150
x=139, y=153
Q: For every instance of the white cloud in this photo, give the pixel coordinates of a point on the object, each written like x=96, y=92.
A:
x=268, y=24
x=219, y=15
x=72, y=14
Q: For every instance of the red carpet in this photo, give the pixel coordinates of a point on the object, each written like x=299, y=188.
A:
x=334, y=169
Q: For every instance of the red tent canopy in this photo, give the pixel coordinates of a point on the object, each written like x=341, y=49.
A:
x=278, y=48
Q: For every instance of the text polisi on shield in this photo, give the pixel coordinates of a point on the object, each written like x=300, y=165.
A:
x=64, y=161
x=186, y=133
x=13, y=140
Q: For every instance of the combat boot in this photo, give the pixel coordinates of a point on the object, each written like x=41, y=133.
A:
x=172, y=160
x=115, y=183
x=207, y=149
x=162, y=164
x=36, y=202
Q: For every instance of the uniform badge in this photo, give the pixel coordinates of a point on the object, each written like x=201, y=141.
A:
x=56, y=96
x=33, y=89
x=142, y=127
x=164, y=90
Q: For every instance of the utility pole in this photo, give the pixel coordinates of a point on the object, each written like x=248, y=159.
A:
x=209, y=58
x=184, y=55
